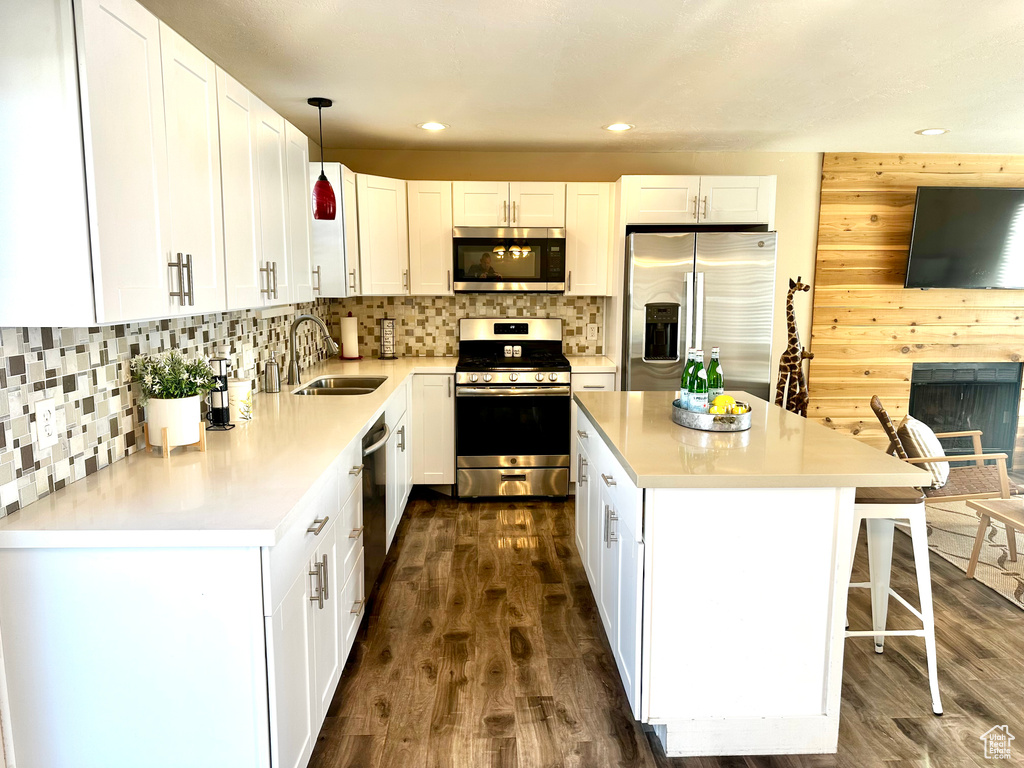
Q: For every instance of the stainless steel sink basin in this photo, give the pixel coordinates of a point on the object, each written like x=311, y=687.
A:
x=342, y=385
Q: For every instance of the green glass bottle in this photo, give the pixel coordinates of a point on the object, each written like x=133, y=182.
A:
x=716, y=379
x=684, y=384
x=698, y=384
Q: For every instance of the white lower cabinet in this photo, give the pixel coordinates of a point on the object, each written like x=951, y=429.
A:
x=609, y=536
x=433, y=429
x=585, y=382
x=399, y=474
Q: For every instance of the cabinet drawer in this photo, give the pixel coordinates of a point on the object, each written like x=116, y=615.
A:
x=350, y=529
x=591, y=382
x=349, y=468
x=621, y=492
x=286, y=558
x=353, y=603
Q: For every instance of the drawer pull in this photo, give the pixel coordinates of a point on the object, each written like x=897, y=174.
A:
x=357, y=606
x=318, y=596
x=593, y=386
x=323, y=571
x=356, y=532
x=318, y=525
x=356, y=470
x=511, y=477
x=608, y=479
x=582, y=434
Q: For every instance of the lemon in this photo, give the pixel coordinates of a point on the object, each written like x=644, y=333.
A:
x=723, y=400
x=717, y=409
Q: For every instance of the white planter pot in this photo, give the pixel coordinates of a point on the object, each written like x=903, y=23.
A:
x=181, y=417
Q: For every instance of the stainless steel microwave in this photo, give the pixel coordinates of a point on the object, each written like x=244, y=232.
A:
x=507, y=259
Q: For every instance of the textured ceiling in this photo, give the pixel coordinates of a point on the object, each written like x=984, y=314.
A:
x=766, y=75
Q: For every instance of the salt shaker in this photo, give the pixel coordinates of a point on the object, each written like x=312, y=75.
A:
x=272, y=375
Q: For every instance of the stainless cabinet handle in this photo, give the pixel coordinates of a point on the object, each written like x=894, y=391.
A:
x=323, y=570
x=356, y=532
x=405, y=278
x=275, y=279
x=179, y=294
x=265, y=271
x=449, y=281
x=352, y=279
x=356, y=470
x=449, y=386
x=319, y=596
x=696, y=208
x=582, y=474
x=190, y=281
x=504, y=211
x=593, y=386
x=582, y=434
x=318, y=525
x=705, y=206
x=357, y=606
x=568, y=282
x=319, y=281
x=608, y=479
x=401, y=445
x=513, y=212
x=607, y=543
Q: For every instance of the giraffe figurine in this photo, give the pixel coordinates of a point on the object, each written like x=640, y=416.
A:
x=791, y=391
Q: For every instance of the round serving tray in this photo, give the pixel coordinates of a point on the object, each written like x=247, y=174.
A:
x=711, y=422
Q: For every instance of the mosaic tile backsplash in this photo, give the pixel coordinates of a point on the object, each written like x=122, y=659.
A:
x=99, y=420
x=429, y=326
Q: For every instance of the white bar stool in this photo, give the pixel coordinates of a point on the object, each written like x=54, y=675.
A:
x=881, y=507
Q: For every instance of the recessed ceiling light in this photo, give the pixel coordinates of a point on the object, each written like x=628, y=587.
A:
x=619, y=127
x=932, y=131
x=432, y=126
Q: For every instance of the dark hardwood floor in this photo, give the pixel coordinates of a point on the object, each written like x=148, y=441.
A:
x=483, y=648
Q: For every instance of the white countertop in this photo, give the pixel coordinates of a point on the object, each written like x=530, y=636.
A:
x=238, y=493
x=780, y=450
x=591, y=364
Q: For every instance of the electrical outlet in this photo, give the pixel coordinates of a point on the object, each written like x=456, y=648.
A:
x=592, y=331
x=46, y=424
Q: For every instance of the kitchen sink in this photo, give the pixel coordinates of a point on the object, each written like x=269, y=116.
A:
x=342, y=385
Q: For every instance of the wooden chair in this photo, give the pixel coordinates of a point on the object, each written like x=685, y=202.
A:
x=976, y=481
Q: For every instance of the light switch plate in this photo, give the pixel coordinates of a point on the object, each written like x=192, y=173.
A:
x=46, y=423
x=592, y=331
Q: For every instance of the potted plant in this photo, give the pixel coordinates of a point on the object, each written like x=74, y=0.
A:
x=171, y=390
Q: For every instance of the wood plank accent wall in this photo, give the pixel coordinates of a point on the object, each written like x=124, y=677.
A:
x=867, y=330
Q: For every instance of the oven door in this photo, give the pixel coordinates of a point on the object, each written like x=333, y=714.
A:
x=508, y=260
x=512, y=441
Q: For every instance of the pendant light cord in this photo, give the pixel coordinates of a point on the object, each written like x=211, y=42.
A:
x=320, y=115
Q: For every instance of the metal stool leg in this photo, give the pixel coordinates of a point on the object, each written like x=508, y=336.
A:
x=919, y=538
x=880, y=533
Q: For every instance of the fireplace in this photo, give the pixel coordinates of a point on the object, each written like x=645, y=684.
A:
x=950, y=397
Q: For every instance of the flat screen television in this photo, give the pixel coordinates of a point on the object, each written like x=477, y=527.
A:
x=967, y=237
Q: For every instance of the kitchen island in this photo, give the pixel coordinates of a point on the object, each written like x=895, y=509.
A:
x=720, y=564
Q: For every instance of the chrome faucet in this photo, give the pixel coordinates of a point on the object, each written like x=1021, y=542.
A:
x=293, y=366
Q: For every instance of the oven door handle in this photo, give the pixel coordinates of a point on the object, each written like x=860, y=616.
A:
x=512, y=391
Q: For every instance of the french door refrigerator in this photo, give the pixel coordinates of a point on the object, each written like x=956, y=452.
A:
x=704, y=290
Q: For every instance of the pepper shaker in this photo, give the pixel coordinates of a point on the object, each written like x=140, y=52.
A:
x=272, y=375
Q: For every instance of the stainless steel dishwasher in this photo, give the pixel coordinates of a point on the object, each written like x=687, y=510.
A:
x=374, y=501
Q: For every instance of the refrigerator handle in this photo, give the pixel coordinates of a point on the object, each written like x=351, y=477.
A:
x=688, y=309
x=698, y=339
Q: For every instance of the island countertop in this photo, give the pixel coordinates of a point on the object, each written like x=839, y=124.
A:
x=780, y=450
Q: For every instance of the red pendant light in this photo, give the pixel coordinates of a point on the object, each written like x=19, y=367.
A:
x=325, y=205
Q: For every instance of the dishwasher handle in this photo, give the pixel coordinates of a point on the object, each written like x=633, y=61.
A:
x=380, y=443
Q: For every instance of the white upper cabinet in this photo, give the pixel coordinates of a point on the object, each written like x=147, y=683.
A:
x=304, y=284
x=737, y=199
x=125, y=159
x=699, y=199
x=430, y=238
x=243, y=253
x=537, y=203
x=336, y=242
x=383, y=236
x=194, y=188
x=272, y=194
x=480, y=204
x=508, y=204
x=588, y=225
x=661, y=199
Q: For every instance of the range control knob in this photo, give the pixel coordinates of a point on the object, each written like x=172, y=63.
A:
x=473, y=377
x=513, y=377
x=553, y=376
x=540, y=377
x=487, y=377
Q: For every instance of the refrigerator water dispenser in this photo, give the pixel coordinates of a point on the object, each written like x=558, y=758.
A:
x=661, y=331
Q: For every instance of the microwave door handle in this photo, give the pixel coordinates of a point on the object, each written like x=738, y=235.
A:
x=688, y=310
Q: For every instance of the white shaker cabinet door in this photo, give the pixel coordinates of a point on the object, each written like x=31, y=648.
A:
x=335, y=244
x=193, y=158
x=243, y=252
x=125, y=159
x=383, y=235
x=304, y=284
x=661, y=199
x=588, y=224
x=737, y=199
x=480, y=204
x=430, y=238
x=271, y=185
x=433, y=429
x=348, y=205
x=537, y=203
x=327, y=623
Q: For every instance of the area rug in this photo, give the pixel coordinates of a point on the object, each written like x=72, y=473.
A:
x=952, y=527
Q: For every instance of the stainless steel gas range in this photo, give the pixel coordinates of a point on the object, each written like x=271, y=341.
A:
x=512, y=408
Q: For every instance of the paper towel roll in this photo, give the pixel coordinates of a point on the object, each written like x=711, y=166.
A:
x=350, y=338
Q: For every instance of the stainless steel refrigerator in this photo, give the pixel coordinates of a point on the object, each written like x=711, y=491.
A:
x=699, y=289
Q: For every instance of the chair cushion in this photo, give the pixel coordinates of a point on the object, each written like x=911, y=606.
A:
x=919, y=440
x=971, y=481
